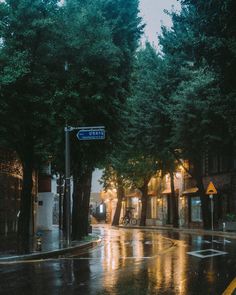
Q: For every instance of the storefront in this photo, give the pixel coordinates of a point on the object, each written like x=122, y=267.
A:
x=191, y=211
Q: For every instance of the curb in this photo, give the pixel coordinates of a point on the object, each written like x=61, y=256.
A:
x=184, y=230
x=53, y=253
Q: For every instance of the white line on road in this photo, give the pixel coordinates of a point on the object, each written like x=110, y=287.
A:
x=206, y=253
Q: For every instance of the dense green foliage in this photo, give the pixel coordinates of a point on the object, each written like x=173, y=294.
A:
x=64, y=65
x=200, y=48
x=75, y=64
x=183, y=100
x=28, y=70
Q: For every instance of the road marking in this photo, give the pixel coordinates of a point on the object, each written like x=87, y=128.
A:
x=217, y=241
x=69, y=258
x=25, y=261
x=87, y=258
x=206, y=253
x=173, y=244
x=221, y=242
x=227, y=241
x=229, y=290
x=148, y=243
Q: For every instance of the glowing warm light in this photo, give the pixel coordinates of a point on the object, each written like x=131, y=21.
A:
x=101, y=209
x=178, y=175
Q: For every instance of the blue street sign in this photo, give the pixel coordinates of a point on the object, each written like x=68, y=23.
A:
x=91, y=134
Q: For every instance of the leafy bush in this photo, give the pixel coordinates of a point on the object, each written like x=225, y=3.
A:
x=231, y=217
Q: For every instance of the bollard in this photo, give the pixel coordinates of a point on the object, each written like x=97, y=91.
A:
x=39, y=244
x=223, y=225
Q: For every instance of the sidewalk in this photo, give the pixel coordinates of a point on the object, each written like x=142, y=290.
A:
x=195, y=231
x=53, y=245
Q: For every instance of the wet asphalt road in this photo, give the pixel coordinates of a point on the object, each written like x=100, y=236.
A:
x=130, y=262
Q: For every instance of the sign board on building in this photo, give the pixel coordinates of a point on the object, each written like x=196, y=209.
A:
x=211, y=190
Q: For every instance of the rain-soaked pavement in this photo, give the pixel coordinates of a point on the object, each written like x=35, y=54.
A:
x=130, y=262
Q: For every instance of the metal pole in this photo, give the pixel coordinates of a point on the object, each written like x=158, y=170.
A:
x=60, y=201
x=67, y=184
x=212, y=212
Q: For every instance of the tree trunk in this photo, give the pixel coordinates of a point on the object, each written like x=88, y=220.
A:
x=144, y=190
x=25, y=207
x=81, y=198
x=76, y=196
x=204, y=198
x=86, y=201
x=120, y=196
x=174, y=201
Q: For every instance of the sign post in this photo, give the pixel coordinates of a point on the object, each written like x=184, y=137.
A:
x=85, y=133
x=212, y=212
x=67, y=186
x=211, y=190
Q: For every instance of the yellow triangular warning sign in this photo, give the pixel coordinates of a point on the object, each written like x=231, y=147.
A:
x=211, y=190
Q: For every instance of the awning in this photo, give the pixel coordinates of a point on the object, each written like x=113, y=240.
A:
x=131, y=196
x=191, y=190
x=152, y=194
x=166, y=191
x=134, y=194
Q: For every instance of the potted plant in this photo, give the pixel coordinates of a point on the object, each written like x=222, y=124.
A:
x=230, y=222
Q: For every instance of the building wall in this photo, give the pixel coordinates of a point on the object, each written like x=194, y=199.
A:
x=11, y=175
x=189, y=207
x=46, y=198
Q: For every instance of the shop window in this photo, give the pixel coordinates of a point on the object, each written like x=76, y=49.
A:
x=234, y=163
x=213, y=164
x=196, y=213
x=224, y=163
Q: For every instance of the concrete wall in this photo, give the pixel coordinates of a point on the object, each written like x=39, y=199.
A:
x=45, y=211
x=96, y=186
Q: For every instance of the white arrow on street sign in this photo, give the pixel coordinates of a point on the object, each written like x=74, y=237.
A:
x=91, y=133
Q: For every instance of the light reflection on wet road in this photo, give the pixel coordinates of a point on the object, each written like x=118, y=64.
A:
x=129, y=262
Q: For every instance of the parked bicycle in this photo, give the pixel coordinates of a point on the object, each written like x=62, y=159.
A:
x=128, y=218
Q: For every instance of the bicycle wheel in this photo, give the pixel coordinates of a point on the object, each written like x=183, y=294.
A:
x=133, y=221
x=126, y=221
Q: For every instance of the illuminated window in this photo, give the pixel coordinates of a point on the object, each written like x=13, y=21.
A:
x=196, y=213
x=101, y=209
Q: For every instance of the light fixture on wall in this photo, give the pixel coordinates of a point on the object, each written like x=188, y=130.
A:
x=178, y=175
x=159, y=198
x=182, y=198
